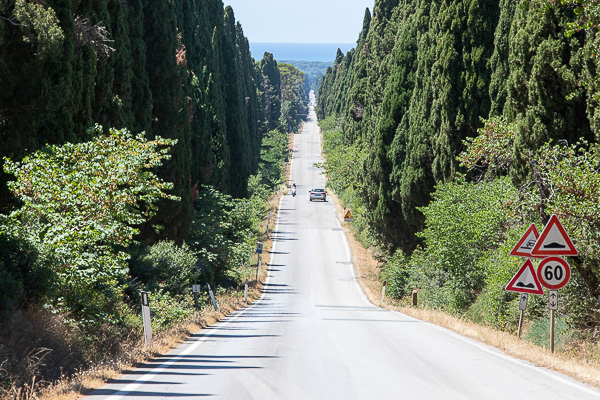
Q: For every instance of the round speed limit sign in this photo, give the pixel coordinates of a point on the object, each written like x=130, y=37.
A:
x=554, y=272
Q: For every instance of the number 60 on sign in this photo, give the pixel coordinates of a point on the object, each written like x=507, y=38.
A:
x=554, y=272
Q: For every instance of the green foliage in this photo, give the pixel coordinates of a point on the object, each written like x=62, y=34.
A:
x=494, y=305
x=41, y=26
x=166, y=309
x=462, y=222
x=490, y=151
x=222, y=234
x=23, y=279
x=273, y=151
x=165, y=266
x=396, y=276
x=539, y=333
x=313, y=71
x=81, y=203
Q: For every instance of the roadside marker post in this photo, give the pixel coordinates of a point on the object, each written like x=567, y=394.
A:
x=259, y=250
x=196, y=290
x=246, y=292
x=146, y=318
x=383, y=294
x=553, y=306
x=212, y=297
x=522, y=308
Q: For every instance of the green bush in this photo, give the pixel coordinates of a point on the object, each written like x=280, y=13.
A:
x=24, y=279
x=396, y=276
x=167, y=310
x=165, y=266
x=463, y=222
x=223, y=234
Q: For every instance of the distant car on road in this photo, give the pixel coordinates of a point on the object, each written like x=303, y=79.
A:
x=318, y=194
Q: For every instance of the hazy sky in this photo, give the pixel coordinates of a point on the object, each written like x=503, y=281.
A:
x=301, y=21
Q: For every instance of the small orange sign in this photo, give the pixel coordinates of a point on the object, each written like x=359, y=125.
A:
x=347, y=216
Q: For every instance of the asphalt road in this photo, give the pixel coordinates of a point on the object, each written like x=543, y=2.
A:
x=313, y=335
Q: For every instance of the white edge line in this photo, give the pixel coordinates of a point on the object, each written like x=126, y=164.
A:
x=557, y=376
x=486, y=348
x=352, y=266
x=162, y=367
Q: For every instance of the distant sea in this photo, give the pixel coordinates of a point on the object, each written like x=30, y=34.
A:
x=300, y=51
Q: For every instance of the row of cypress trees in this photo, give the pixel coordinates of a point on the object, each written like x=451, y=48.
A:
x=179, y=69
x=424, y=73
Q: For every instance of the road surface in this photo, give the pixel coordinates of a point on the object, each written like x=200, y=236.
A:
x=313, y=335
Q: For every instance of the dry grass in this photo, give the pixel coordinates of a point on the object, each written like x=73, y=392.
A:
x=137, y=352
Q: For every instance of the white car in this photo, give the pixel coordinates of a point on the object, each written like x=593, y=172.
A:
x=318, y=194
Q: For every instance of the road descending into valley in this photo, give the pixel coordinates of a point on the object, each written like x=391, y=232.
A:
x=313, y=334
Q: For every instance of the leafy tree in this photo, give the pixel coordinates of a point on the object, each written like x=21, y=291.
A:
x=82, y=203
x=271, y=88
x=463, y=221
x=222, y=234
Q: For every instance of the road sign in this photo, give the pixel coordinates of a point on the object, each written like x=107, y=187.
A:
x=554, y=272
x=525, y=244
x=525, y=280
x=523, y=301
x=348, y=216
x=259, y=247
x=195, y=288
x=554, y=241
x=553, y=300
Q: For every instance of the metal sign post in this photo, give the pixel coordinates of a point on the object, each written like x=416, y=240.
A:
x=257, y=267
x=522, y=308
x=146, y=318
x=196, y=290
x=553, y=306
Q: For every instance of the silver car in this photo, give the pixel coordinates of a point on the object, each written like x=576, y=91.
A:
x=318, y=194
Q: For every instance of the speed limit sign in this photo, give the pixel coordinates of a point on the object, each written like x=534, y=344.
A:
x=554, y=272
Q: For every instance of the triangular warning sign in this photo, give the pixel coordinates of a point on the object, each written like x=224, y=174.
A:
x=347, y=215
x=525, y=280
x=526, y=243
x=554, y=241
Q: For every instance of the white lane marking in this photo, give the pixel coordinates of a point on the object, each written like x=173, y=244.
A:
x=493, y=351
x=148, y=376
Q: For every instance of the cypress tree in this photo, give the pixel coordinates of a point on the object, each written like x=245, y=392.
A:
x=169, y=116
x=271, y=86
x=237, y=133
x=541, y=83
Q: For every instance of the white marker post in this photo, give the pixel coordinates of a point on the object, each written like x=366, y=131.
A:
x=383, y=293
x=212, y=297
x=522, y=308
x=146, y=319
x=246, y=292
x=259, y=249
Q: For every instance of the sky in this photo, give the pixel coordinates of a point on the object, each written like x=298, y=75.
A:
x=301, y=21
